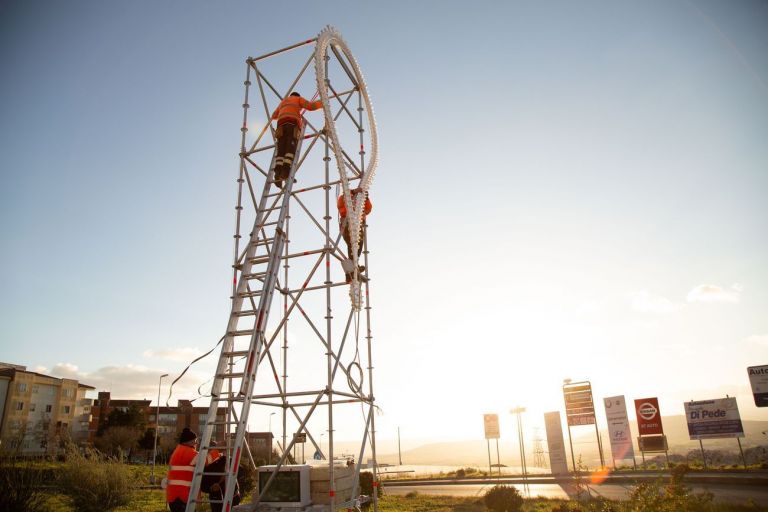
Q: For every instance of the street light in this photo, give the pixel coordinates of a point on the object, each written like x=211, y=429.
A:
x=157, y=427
x=519, y=411
x=270, y=437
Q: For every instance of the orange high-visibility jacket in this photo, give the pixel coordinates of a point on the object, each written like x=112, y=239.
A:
x=343, y=207
x=289, y=110
x=180, y=471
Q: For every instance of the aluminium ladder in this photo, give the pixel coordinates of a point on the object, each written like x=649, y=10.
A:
x=256, y=280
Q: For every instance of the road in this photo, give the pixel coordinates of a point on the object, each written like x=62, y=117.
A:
x=736, y=493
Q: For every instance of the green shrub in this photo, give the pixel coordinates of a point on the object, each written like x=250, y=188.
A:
x=503, y=498
x=94, y=482
x=21, y=486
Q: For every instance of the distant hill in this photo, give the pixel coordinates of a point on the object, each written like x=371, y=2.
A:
x=475, y=452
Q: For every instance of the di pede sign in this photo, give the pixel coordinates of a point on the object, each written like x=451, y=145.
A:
x=758, y=378
x=713, y=419
x=491, y=423
x=648, y=416
x=579, y=407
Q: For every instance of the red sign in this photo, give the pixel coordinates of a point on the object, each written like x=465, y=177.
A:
x=648, y=416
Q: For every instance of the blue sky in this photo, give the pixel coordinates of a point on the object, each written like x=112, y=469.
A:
x=572, y=189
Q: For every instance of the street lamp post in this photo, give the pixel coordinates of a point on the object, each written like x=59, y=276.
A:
x=157, y=427
x=518, y=411
x=270, y=438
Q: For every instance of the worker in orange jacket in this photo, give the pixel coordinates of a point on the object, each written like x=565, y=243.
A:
x=180, y=471
x=344, y=228
x=289, y=124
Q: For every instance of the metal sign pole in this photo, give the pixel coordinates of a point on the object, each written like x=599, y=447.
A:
x=488, y=442
x=498, y=461
x=743, y=460
x=703, y=456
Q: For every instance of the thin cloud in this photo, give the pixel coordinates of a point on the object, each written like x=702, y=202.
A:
x=646, y=302
x=757, y=339
x=132, y=381
x=174, y=354
x=714, y=293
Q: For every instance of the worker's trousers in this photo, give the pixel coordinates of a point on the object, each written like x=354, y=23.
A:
x=287, y=139
x=348, y=238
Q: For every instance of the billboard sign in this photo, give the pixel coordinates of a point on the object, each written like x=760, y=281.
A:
x=713, y=419
x=652, y=443
x=648, y=416
x=579, y=407
x=618, y=427
x=758, y=378
x=555, y=443
x=491, y=423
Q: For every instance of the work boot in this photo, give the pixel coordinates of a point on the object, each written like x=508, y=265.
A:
x=348, y=277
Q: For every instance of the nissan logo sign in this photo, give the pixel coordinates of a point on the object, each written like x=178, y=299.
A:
x=647, y=411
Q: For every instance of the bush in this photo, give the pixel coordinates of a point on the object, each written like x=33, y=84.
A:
x=21, y=486
x=95, y=483
x=503, y=498
x=461, y=473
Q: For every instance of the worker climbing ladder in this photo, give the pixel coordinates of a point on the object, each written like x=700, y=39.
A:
x=335, y=368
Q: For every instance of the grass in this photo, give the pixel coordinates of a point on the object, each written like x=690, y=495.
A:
x=153, y=501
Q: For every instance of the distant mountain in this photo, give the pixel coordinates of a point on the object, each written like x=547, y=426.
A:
x=475, y=452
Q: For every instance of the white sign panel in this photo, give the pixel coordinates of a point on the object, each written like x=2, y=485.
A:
x=618, y=427
x=556, y=444
x=758, y=378
x=713, y=419
x=491, y=423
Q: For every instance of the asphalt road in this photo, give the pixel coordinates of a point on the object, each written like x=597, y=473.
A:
x=735, y=493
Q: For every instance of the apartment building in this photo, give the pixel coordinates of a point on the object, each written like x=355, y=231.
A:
x=39, y=411
x=170, y=421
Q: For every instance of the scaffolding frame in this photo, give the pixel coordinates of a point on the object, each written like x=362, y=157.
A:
x=315, y=203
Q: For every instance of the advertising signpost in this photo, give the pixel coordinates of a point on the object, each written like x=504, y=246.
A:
x=491, y=424
x=714, y=419
x=618, y=429
x=580, y=410
x=652, y=438
x=758, y=378
x=555, y=443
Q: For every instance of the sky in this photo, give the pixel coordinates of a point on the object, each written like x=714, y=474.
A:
x=565, y=190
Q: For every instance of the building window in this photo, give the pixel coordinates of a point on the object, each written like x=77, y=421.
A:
x=65, y=409
x=21, y=387
x=19, y=406
x=87, y=408
x=35, y=388
x=48, y=408
x=32, y=407
x=68, y=393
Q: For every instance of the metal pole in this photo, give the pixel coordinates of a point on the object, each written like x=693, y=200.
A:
x=599, y=446
x=399, y=453
x=157, y=427
x=269, y=456
x=328, y=318
x=498, y=460
x=570, y=442
x=488, y=442
x=703, y=456
x=287, y=48
x=743, y=460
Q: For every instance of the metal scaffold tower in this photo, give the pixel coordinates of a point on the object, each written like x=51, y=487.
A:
x=298, y=343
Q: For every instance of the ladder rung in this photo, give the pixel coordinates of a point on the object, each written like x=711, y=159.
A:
x=257, y=275
x=235, y=353
x=246, y=312
x=264, y=241
x=238, y=375
x=245, y=295
x=241, y=332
